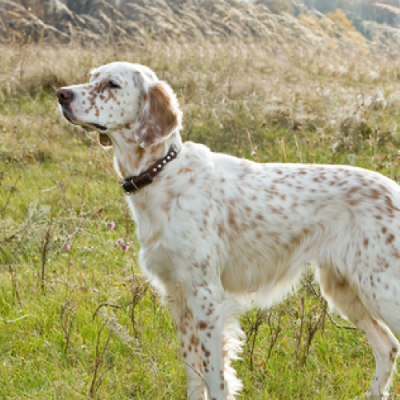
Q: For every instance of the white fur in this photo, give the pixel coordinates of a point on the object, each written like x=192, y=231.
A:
x=218, y=233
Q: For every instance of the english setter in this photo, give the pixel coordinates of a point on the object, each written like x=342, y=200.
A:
x=218, y=233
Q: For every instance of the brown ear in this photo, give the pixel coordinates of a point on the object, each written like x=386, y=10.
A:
x=158, y=116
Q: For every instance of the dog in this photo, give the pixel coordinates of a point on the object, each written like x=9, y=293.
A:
x=219, y=233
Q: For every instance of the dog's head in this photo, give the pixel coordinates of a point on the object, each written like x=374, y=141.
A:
x=122, y=95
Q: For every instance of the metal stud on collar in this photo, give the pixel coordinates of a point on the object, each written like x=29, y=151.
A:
x=134, y=183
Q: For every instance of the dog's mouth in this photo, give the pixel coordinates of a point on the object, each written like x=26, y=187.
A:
x=103, y=138
x=67, y=115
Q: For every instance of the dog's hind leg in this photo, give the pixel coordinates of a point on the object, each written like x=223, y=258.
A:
x=384, y=345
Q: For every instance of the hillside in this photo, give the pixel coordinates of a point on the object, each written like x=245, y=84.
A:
x=133, y=22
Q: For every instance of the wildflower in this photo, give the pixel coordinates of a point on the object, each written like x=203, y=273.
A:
x=66, y=246
x=111, y=225
x=118, y=242
x=126, y=246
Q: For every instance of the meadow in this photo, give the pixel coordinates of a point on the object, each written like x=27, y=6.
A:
x=77, y=319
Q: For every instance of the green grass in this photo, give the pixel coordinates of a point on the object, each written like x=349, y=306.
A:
x=57, y=187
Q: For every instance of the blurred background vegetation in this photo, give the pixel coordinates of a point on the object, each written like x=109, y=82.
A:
x=127, y=21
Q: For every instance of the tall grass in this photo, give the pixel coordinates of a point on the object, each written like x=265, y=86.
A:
x=77, y=319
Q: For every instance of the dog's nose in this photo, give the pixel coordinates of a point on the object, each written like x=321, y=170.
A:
x=65, y=96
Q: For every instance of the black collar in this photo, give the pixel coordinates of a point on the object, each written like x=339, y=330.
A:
x=134, y=183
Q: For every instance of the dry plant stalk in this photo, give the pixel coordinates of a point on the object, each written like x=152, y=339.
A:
x=44, y=251
x=252, y=332
x=67, y=315
x=97, y=374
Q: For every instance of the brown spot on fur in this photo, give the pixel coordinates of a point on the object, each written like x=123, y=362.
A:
x=375, y=194
x=232, y=220
x=194, y=340
x=393, y=354
x=390, y=239
x=221, y=231
x=396, y=253
x=202, y=325
x=390, y=204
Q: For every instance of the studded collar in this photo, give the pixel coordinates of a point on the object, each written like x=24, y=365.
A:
x=134, y=183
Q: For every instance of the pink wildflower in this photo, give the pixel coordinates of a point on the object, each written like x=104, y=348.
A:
x=126, y=247
x=111, y=225
x=66, y=246
x=118, y=242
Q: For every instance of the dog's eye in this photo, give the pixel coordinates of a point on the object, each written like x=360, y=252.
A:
x=113, y=84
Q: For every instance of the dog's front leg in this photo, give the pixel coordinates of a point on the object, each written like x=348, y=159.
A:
x=208, y=309
x=190, y=342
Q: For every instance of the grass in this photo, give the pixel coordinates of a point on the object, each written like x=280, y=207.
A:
x=77, y=319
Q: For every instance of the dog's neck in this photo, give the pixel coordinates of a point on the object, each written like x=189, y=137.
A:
x=131, y=160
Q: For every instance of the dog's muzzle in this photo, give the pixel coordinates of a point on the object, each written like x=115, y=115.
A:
x=65, y=97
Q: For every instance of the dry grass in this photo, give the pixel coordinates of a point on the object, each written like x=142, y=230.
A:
x=127, y=23
x=302, y=87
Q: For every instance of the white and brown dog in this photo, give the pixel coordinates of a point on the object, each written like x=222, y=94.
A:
x=218, y=233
